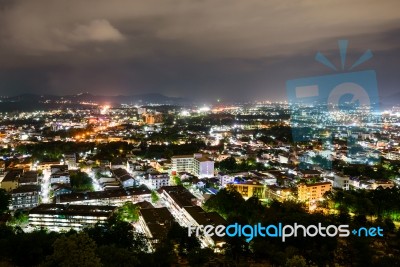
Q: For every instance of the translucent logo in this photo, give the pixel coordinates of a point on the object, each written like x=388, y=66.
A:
x=342, y=106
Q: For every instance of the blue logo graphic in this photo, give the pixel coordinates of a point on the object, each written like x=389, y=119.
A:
x=343, y=105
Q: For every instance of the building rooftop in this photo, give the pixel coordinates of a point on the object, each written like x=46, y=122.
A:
x=182, y=156
x=26, y=189
x=316, y=184
x=13, y=175
x=205, y=218
x=29, y=177
x=73, y=210
x=122, y=174
x=179, y=194
x=203, y=159
x=99, y=195
x=158, y=220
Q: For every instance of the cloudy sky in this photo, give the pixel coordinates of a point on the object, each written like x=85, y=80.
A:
x=201, y=49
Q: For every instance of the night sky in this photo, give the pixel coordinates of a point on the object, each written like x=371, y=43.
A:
x=198, y=49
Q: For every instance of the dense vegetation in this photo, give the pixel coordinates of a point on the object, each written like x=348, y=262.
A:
x=319, y=251
x=117, y=244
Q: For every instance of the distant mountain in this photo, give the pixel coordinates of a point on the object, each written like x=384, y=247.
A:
x=27, y=102
x=390, y=100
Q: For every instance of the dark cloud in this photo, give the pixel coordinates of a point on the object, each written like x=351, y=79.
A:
x=201, y=49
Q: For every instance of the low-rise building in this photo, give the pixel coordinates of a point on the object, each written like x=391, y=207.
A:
x=383, y=184
x=60, y=177
x=124, y=178
x=249, y=189
x=25, y=197
x=70, y=160
x=196, y=216
x=311, y=192
x=58, y=216
x=110, y=197
x=176, y=198
x=29, y=178
x=157, y=180
x=11, y=179
x=339, y=181
x=2, y=168
x=225, y=179
x=155, y=224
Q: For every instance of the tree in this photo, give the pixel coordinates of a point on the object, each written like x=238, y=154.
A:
x=115, y=256
x=118, y=233
x=175, y=180
x=20, y=218
x=74, y=250
x=154, y=197
x=225, y=202
x=296, y=261
x=228, y=164
x=178, y=235
x=80, y=181
x=128, y=212
x=4, y=201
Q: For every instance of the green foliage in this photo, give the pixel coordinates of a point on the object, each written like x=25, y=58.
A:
x=225, y=202
x=379, y=202
x=296, y=261
x=154, y=197
x=388, y=170
x=111, y=256
x=322, y=162
x=19, y=218
x=128, y=212
x=178, y=235
x=80, y=181
x=175, y=180
x=119, y=234
x=50, y=151
x=230, y=165
x=34, y=246
x=199, y=257
x=74, y=250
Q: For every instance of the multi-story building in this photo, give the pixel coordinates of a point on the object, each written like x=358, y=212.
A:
x=124, y=178
x=339, y=181
x=155, y=224
x=47, y=165
x=158, y=180
x=176, y=198
x=60, y=177
x=70, y=160
x=57, y=216
x=225, y=179
x=198, y=165
x=29, y=178
x=249, y=189
x=152, y=118
x=25, y=197
x=11, y=179
x=58, y=168
x=115, y=197
x=196, y=216
x=2, y=168
x=311, y=192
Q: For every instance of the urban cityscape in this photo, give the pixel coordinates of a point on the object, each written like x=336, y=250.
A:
x=199, y=133
x=162, y=168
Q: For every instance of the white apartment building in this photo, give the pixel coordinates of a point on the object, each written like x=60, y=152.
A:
x=156, y=181
x=339, y=181
x=60, y=178
x=198, y=165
